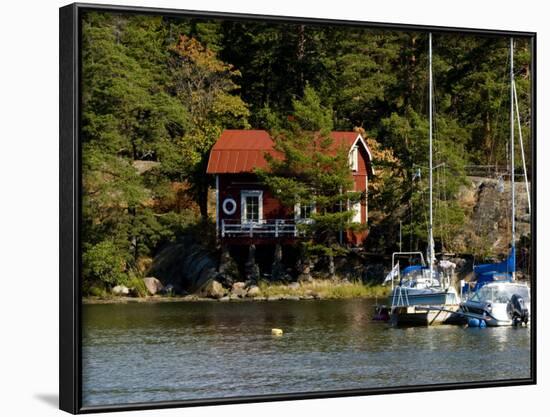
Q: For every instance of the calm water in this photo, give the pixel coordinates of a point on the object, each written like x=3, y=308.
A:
x=177, y=351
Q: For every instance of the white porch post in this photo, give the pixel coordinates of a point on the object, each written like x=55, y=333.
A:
x=367, y=198
x=217, y=205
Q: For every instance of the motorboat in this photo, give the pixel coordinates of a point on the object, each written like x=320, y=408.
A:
x=499, y=303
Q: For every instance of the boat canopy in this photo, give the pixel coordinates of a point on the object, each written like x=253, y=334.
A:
x=499, y=271
x=412, y=268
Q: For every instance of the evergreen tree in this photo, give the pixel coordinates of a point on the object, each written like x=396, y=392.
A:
x=309, y=170
x=206, y=88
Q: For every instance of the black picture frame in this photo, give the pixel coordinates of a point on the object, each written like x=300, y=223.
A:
x=70, y=362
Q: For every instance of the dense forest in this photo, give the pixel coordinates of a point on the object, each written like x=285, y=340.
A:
x=157, y=92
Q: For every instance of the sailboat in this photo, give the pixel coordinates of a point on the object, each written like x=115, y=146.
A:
x=423, y=294
x=497, y=298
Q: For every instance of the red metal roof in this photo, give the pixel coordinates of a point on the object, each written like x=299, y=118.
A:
x=238, y=151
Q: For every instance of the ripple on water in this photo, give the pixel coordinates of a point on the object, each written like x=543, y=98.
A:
x=179, y=351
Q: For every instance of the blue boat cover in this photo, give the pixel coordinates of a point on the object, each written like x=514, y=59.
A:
x=500, y=271
x=411, y=268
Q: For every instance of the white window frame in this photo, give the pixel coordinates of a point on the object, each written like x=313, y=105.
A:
x=297, y=213
x=354, y=158
x=356, y=207
x=252, y=193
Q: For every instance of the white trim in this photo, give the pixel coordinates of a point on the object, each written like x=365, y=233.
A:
x=362, y=141
x=356, y=207
x=367, y=198
x=252, y=193
x=217, y=205
x=353, y=158
x=297, y=209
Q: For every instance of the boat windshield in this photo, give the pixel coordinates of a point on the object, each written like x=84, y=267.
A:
x=500, y=293
x=420, y=278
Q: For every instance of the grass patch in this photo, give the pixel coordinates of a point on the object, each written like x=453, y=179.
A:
x=324, y=289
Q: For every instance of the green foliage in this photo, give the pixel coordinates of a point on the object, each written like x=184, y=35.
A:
x=205, y=87
x=311, y=171
x=103, y=264
x=157, y=92
x=143, y=131
x=137, y=287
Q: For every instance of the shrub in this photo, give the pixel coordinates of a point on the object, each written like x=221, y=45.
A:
x=103, y=264
x=137, y=287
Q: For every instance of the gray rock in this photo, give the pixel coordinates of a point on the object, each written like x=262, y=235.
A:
x=212, y=289
x=274, y=298
x=294, y=285
x=224, y=299
x=154, y=286
x=120, y=290
x=186, y=265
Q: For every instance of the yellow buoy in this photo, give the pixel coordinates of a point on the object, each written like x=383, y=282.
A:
x=277, y=332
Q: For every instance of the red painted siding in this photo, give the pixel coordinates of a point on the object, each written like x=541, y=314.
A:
x=237, y=153
x=233, y=185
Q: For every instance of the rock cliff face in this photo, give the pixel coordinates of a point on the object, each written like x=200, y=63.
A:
x=186, y=266
x=487, y=229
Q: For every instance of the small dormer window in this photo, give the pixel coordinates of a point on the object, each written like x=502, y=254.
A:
x=354, y=158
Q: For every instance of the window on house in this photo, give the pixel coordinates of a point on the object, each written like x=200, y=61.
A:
x=354, y=158
x=251, y=204
x=304, y=211
x=356, y=207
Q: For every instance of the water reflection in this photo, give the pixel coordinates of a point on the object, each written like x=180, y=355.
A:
x=176, y=351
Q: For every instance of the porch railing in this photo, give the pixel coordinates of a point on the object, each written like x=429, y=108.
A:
x=266, y=228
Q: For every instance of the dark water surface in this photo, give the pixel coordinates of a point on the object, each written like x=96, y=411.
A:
x=177, y=351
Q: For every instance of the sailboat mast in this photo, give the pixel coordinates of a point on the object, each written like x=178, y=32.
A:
x=430, y=226
x=512, y=162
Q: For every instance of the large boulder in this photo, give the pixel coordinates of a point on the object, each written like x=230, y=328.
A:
x=238, y=289
x=120, y=290
x=212, y=289
x=187, y=266
x=153, y=285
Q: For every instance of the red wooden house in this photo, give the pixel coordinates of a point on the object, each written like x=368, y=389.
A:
x=246, y=211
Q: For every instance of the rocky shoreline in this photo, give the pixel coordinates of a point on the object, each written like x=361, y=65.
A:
x=241, y=292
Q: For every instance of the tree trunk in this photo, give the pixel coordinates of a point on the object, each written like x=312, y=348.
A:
x=300, y=53
x=203, y=201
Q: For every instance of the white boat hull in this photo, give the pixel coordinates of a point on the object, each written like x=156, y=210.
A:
x=423, y=307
